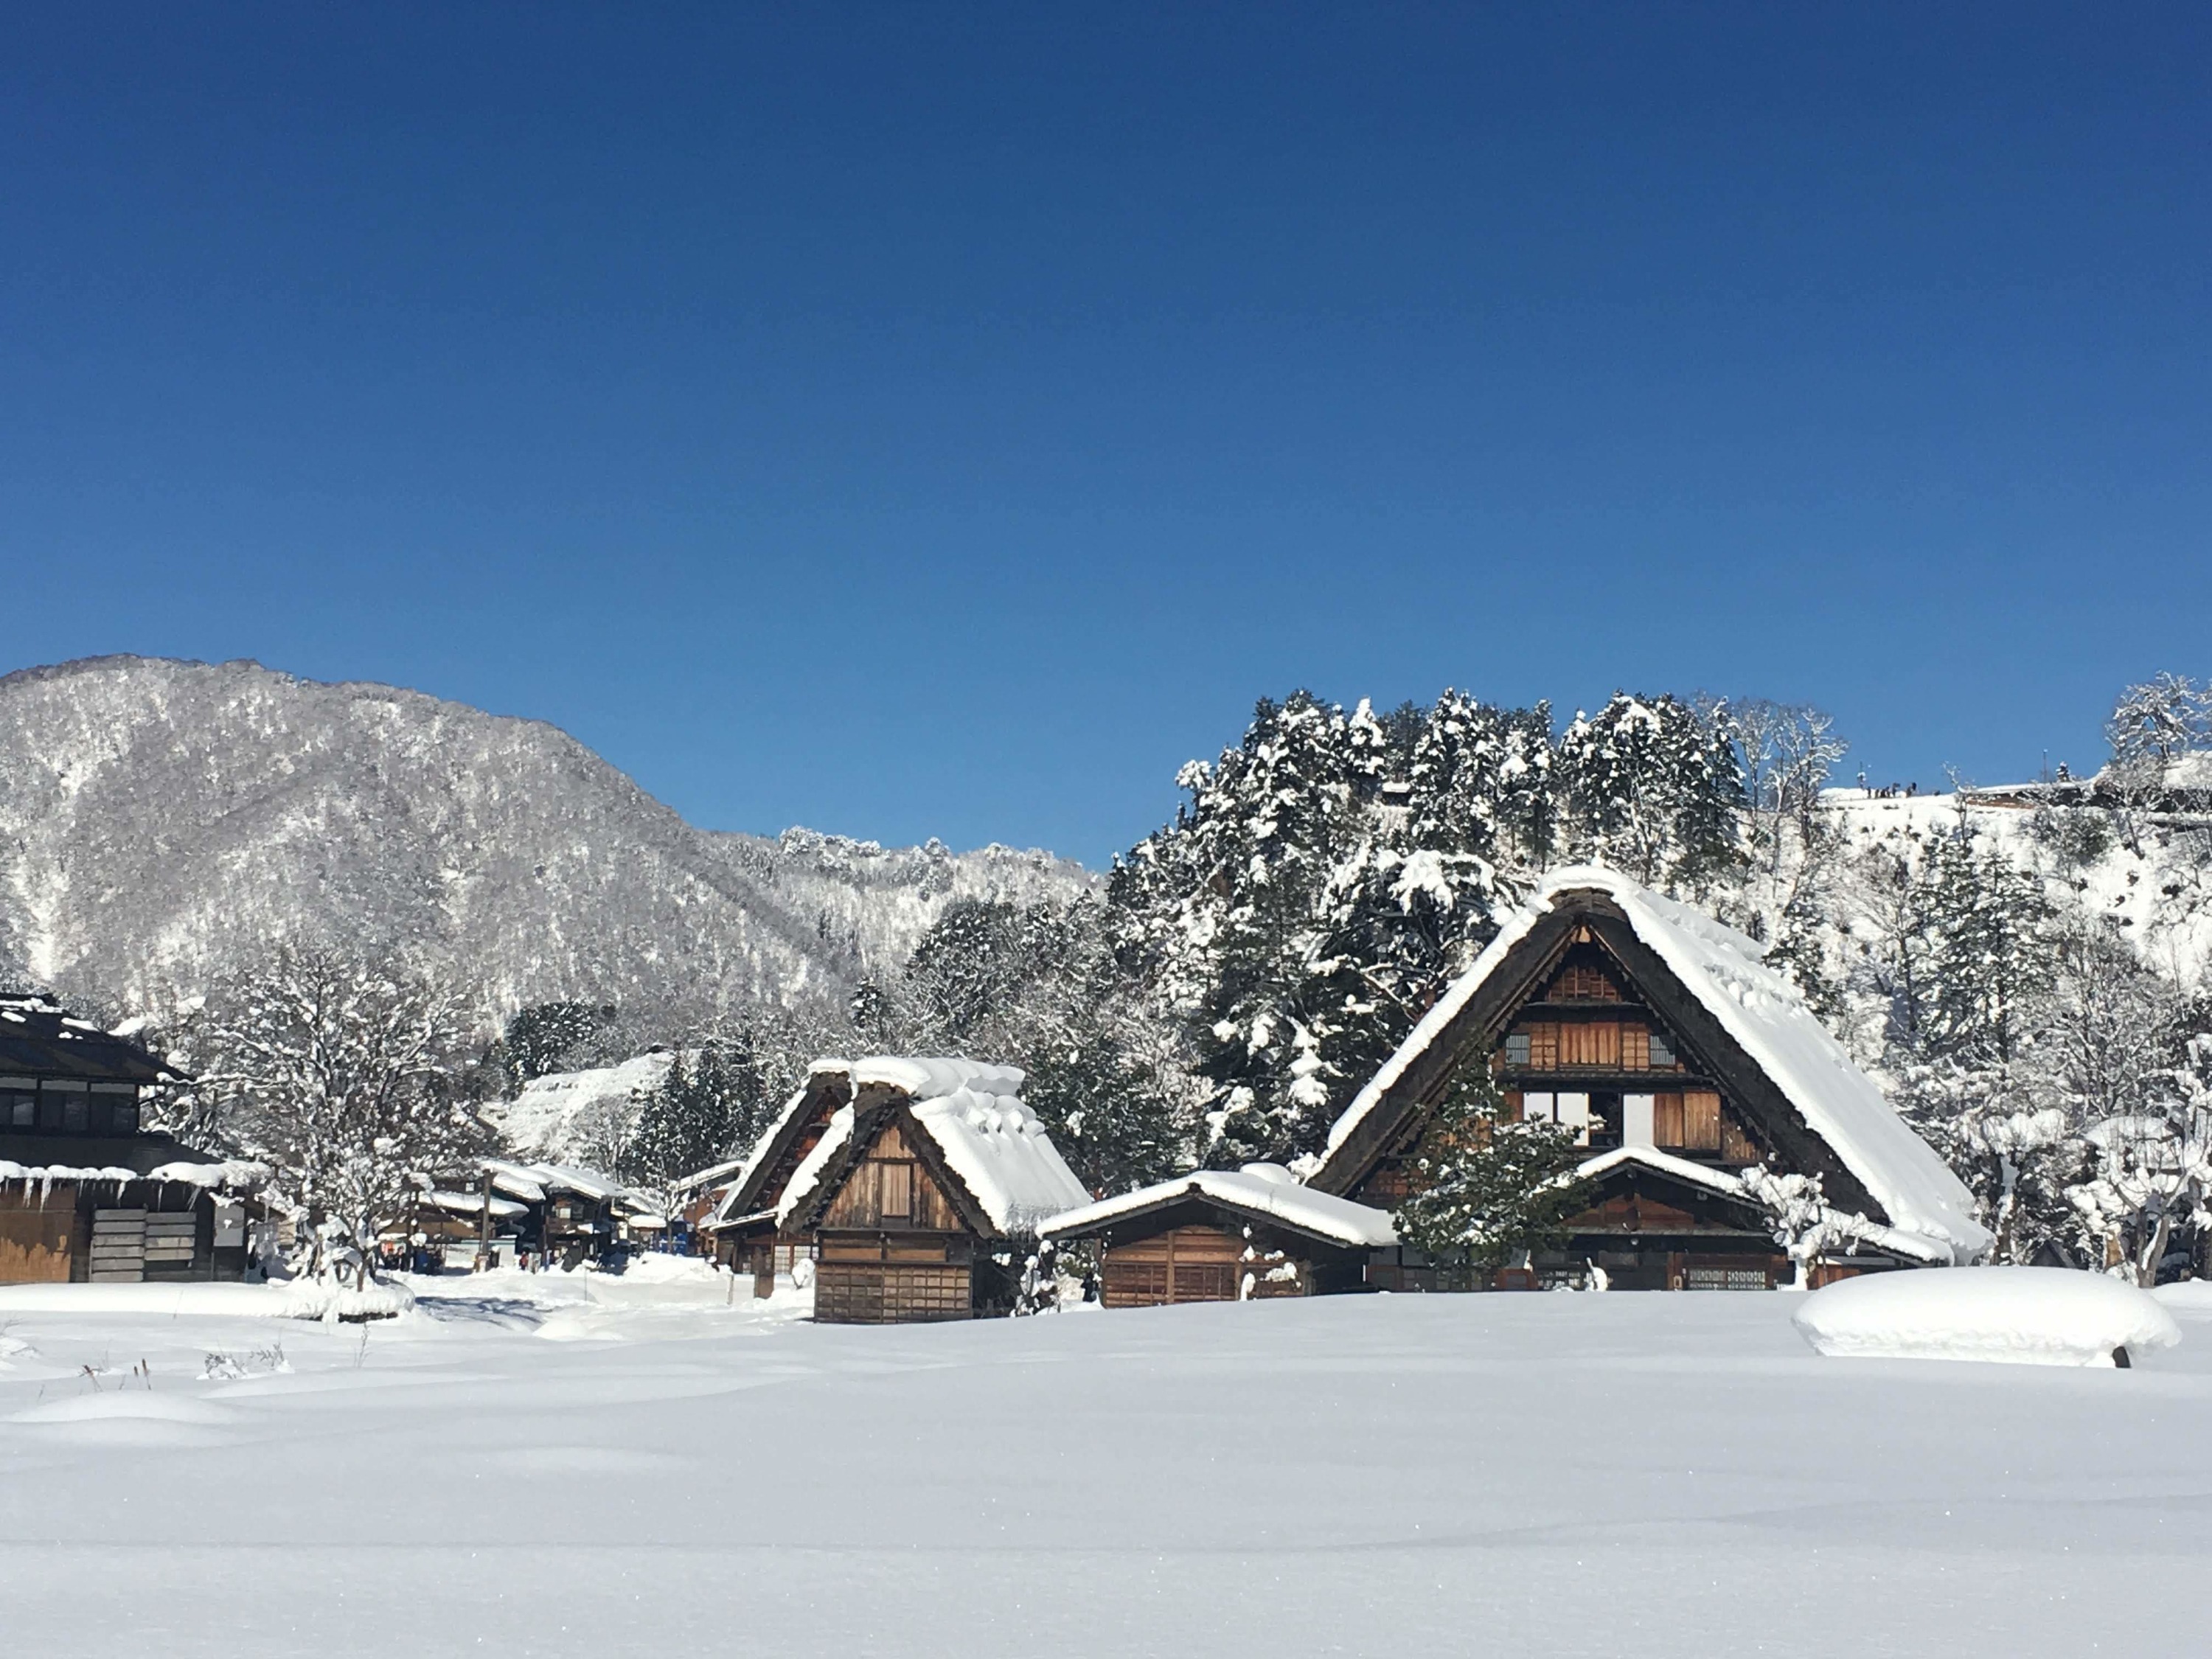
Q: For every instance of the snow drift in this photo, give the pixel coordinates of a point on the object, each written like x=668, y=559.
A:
x=2011, y=1316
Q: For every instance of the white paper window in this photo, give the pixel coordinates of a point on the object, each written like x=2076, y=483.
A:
x=1636, y=1121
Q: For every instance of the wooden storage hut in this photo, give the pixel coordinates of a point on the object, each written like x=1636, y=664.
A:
x=1218, y=1236
x=742, y=1230
x=87, y=1195
x=923, y=1195
x=1680, y=1059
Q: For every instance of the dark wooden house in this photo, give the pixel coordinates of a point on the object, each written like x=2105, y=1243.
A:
x=1680, y=1059
x=567, y=1216
x=742, y=1230
x=1215, y=1236
x=86, y=1193
x=923, y=1194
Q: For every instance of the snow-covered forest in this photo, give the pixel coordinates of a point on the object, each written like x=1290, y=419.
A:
x=2023, y=969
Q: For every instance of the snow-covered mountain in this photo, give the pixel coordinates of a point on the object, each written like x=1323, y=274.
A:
x=161, y=821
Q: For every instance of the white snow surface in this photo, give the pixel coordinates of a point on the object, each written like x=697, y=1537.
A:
x=552, y=1117
x=1264, y=1189
x=2012, y=1316
x=520, y=1466
x=1767, y=1017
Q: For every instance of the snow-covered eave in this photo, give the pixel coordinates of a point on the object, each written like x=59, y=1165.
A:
x=749, y=1165
x=1303, y=1209
x=1901, y=1241
x=231, y=1174
x=722, y=1224
x=1650, y=1157
x=714, y=1176
x=808, y=1175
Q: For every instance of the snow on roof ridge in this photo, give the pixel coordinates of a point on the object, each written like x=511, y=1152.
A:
x=1766, y=1016
x=925, y=1076
x=1001, y=1154
x=1265, y=1189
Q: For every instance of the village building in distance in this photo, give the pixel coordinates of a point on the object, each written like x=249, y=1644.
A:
x=1680, y=1059
x=923, y=1193
x=1225, y=1235
x=87, y=1195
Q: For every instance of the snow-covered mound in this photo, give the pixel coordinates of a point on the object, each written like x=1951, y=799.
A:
x=562, y=1116
x=2011, y=1316
x=298, y=1298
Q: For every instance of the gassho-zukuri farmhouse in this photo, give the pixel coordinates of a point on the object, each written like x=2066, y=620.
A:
x=919, y=1186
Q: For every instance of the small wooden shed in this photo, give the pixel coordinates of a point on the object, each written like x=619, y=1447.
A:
x=86, y=1193
x=1222, y=1235
x=742, y=1228
x=924, y=1194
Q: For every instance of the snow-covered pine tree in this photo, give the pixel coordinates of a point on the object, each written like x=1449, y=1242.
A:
x=1249, y=945
x=712, y=1103
x=1651, y=789
x=548, y=1037
x=2004, y=1134
x=1487, y=1188
x=1985, y=956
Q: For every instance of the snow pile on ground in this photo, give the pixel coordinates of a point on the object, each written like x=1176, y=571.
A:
x=295, y=1298
x=2012, y=1316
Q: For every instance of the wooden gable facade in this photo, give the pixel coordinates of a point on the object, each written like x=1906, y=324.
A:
x=1583, y=1025
x=743, y=1226
x=896, y=1236
x=1193, y=1246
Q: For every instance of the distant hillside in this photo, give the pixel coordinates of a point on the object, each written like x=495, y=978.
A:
x=161, y=820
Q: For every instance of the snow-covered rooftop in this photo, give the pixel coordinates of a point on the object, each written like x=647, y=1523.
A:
x=1258, y=1189
x=1767, y=1017
x=974, y=1114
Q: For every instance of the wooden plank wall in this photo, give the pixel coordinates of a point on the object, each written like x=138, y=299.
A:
x=885, y=1293
x=888, y=1187
x=35, y=1230
x=1188, y=1264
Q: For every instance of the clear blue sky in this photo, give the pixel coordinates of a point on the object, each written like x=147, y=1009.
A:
x=916, y=420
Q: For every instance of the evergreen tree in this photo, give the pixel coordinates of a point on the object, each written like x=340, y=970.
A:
x=1488, y=1188
x=712, y=1103
x=1115, y=1127
x=1985, y=959
x=545, y=1037
x=1653, y=789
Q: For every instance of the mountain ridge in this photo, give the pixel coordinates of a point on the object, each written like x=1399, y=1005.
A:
x=162, y=820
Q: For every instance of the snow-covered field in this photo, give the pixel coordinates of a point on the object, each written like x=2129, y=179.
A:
x=556, y=1464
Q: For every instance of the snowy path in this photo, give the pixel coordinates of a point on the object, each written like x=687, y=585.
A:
x=1534, y=1475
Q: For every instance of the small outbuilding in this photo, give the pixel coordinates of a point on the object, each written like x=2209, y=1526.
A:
x=1224, y=1236
x=923, y=1195
x=86, y=1193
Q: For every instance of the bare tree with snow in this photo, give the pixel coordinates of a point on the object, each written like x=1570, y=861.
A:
x=341, y=1074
